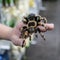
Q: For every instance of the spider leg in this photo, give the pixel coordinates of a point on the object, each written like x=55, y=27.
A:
x=42, y=35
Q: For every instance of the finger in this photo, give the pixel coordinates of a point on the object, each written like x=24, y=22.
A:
x=20, y=25
x=21, y=42
x=49, y=26
x=42, y=29
x=17, y=41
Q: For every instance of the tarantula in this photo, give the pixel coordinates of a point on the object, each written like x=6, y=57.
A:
x=32, y=21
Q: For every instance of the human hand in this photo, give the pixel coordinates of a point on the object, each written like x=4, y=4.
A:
x=15, y=34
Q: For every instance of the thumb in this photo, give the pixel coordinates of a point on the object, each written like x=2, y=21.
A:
x=20, y=25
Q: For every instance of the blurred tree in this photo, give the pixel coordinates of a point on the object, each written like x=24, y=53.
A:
x=6, y=2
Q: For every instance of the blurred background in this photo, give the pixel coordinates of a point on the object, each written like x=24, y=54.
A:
x=12, y=11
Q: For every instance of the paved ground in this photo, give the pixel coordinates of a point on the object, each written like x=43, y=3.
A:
x=49, y=49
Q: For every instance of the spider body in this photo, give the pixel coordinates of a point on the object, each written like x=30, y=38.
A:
x=32, y=21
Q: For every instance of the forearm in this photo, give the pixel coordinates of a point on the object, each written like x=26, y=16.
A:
x=4, y=31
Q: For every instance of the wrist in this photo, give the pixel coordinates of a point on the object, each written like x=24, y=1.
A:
x=5, y=31
x=9, y=33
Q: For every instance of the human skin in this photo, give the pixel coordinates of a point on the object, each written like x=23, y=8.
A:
x=13, y=34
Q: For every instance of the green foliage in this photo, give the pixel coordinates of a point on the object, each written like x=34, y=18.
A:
x=0, y=1
x=12, y=23
x=9, y=1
